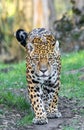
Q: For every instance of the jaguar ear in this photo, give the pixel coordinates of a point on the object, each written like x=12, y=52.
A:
x=56, y=48
x=21, y=36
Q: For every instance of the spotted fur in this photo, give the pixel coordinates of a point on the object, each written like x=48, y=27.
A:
x=43, y=68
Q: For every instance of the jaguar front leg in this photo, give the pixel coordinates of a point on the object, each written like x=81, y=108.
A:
x=52, y=111
x=36, y=102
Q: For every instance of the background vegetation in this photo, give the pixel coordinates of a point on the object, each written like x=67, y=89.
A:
x=65, y=19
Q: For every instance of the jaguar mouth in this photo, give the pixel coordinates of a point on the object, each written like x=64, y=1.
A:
x=44, y=76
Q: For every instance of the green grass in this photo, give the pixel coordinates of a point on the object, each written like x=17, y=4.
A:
x=15, y=78
x=71, y=86
x=73, y=61
x=68, y=128
x=26, y=120
x=13, y=101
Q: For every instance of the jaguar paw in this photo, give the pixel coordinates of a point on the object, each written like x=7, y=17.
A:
x=40, y=121
x=53, y=115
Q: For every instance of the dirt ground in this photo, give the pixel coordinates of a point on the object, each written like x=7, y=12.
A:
x=72, y=117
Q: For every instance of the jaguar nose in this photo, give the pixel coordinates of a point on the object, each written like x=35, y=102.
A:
x=43, y=70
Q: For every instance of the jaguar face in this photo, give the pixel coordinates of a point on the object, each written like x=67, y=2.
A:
x=43, y=61
x=40, y=65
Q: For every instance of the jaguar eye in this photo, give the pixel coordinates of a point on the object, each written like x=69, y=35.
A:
x=50, y=58
x=35, y=58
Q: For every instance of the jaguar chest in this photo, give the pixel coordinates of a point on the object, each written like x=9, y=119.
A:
x=51, y=79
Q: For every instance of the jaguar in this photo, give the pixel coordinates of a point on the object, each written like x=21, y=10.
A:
x=43, y=67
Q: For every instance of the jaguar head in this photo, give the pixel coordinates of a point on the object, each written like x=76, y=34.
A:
x=43, y=58
x=42, y=55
